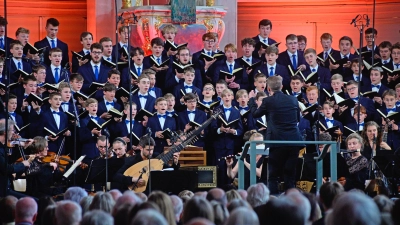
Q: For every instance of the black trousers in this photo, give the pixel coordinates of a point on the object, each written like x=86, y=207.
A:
x=281, y=162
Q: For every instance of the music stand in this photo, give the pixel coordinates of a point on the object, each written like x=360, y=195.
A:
x=173, y=181
x=97, y=169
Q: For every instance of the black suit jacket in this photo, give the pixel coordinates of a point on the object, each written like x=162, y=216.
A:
x=61, y=45
x=326, y=63
x=88, y=75
x=255, y=52
x=279, y=70
x=285, y=60
x=282, y=113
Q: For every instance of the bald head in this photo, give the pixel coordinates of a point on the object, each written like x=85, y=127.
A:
x=26, y=210
x=68, y=213
x=218, y=195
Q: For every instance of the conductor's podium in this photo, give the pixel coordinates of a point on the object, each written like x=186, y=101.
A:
x=191, y=156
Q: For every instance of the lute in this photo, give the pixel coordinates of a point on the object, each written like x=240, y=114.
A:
x=141, y=169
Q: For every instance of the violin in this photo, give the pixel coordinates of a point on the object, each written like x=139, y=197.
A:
x=62, y=160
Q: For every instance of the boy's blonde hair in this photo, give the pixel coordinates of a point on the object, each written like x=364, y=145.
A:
x=143, y=76
x=160, y=99
x=337, y=77
x=169, y=28
x=63, y=85
x=230, y=46
x=226, y=91
x=310, y=50
x=90, y=101
x=169, y=96
x=240, y=93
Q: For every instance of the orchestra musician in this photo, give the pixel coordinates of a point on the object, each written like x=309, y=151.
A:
x=356, y=162
x=373, y=140
x=102, y=144
x=7, y=169
x=146, y=146
x=41, y=176
x=119, y=148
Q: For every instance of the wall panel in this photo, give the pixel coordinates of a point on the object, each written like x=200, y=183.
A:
x=33, y=15
x=334, y=17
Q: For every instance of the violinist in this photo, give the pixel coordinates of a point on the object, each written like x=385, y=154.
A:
x=7, y=169
x=41, y=176
x=373, y=140
x=119, y=148
x=102, y=144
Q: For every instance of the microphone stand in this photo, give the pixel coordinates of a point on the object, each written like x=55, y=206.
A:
x=315, y=127
x=372, y=158
x=6, y=73
x=359, y=23
x=117, y=19
x=107, y=135
x=130, y=83
x=149, y=157
x=77, y=122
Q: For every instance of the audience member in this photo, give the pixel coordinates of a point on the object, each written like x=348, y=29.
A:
x=258, y=194
x=75, y=194
x=149, y=217
x=354, y=208
x=25, y=211
x=97, y=217
x=68, y=213
x=243, y=215
x=7, y=209
x=197, y=207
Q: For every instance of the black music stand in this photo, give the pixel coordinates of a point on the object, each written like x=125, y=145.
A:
x=97, y=170
x=173, y=182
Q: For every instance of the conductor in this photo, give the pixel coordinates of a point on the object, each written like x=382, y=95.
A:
x=282, y=115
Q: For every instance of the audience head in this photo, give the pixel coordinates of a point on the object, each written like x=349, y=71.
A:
x=149, y=217
x=218, y=195
x=26, y=210
x=232, y=194
x=103, y=201
x=354, y=208
x=68, y=213
x=220, y=213
x=7, y=209
x=384, y=204
x=97, y=217
x=243, y=215
x=257, y=194
x=236, y=203
x=75, y=194
x=85, y=203
x=49, y=215
x=178, y=206
x=197, y=207
x=328, y=192
x=164, y=202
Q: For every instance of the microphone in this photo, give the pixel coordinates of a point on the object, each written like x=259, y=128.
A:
x=107, y=134
x=355, y=19
x=367, y=19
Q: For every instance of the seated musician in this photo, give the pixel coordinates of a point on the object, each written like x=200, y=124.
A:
x=146, y=146
x=373, y=142
x=232, y=171
x=102, y=144
x=119, y=148
x=356, y=163
x=41, y=175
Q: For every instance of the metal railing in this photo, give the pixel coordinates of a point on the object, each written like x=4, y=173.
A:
x=250, y=149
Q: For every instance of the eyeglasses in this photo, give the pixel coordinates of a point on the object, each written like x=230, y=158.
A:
x=302, y=44
x=395, y=53
x=350, y=89
x=101, y=147
x=97, y=53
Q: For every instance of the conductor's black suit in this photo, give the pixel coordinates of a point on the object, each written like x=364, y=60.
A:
x=282, y=114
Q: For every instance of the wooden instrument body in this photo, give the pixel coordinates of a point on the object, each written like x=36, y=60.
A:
x=142, y=169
